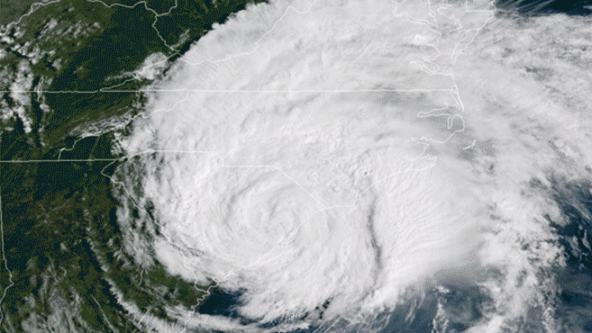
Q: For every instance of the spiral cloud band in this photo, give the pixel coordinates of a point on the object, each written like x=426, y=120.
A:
x=321, y=158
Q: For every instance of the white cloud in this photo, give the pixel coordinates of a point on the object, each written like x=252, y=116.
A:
x=287, y=170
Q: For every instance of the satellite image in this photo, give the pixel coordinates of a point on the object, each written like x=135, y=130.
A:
x=296, y=166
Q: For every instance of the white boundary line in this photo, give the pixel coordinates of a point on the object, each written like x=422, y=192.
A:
x=11, y=283
x=32, y=9
x=453, y=91
x=156, y=14
x=113, y=329
x=226, y=91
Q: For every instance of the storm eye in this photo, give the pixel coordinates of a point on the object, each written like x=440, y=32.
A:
x=356, y=166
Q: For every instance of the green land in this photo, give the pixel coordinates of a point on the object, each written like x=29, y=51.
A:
x=62, y=240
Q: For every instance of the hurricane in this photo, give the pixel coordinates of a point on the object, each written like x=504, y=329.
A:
x=364, y=166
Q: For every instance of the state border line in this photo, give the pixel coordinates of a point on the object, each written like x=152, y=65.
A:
x=11, y=283
x=66, y=161
x=226, y=91
x=156, y=15
x=108, y=90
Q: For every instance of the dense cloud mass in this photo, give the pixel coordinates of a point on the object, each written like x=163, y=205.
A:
x=325, y=160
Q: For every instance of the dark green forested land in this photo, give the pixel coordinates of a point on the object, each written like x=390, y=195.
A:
x=61, y=235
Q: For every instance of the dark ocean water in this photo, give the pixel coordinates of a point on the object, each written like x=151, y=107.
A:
x=547, y=7
x=575, y=281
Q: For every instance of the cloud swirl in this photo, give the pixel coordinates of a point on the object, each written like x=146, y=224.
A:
x=328, y=156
